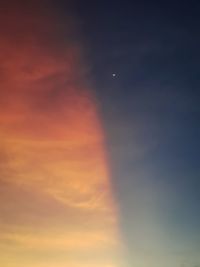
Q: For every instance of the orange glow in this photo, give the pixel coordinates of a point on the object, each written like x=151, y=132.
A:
x=55, y=200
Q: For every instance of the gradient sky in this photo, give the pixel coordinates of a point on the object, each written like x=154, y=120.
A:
x=56, y=200
x=97, y=170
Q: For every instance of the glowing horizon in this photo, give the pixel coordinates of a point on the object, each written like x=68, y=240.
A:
x=56, y=197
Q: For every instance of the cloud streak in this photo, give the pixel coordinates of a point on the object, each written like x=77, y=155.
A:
x=56, y=201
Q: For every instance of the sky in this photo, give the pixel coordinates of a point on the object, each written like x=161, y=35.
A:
x=98, y=169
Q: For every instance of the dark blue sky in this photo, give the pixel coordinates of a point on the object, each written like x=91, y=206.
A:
x=151, y=116
x=150, y=112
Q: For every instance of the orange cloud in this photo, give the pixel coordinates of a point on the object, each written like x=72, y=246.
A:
x=55, y=200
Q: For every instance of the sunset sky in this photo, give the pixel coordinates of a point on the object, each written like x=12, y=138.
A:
x=96, y=169
x=56, y=201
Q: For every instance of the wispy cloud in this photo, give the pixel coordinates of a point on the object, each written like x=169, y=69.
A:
x=55, y=190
